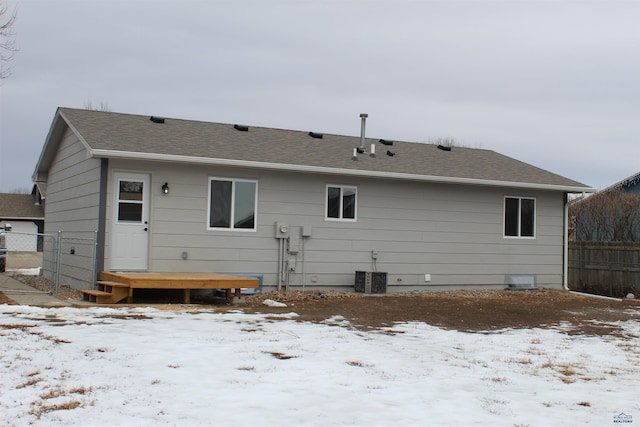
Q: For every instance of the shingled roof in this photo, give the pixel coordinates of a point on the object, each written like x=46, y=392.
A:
x=116, y=135
x=20, y=207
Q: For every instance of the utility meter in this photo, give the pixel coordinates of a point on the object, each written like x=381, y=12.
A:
x=282, y=230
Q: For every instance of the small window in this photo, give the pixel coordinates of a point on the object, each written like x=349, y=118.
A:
x=232, y=204
x=519, y=217
x=341, y=203
x=130, y=194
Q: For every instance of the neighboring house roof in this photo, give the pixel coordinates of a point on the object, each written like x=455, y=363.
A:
x=629, y=184
x=40, y=189
x=116, y=135
x=20, y=207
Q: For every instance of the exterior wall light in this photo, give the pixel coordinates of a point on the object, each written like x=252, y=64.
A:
x=165, y=188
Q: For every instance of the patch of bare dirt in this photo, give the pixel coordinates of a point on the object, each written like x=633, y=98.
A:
x=6, y=300
x=470, y=310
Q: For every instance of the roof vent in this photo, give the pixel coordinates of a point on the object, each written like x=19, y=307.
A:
x=444, y=147
x=363, y=120
x=156, y=119
x=316, y=135
x=360, y=150
x=242, y=128
x=385, y=141
x=391, y=153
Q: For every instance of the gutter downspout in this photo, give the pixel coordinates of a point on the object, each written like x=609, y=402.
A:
x=279, y=264
x=565, y=244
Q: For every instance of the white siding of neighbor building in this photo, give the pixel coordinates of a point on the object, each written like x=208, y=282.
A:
x=452, y=232
x=23, y=236
x=72, y=206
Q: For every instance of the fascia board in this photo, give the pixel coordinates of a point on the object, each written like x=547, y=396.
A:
x=23, y=218
x=54, y=125
x=53, y=138
x=334, y=171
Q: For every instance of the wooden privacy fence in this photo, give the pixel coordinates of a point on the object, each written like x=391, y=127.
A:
x=604, y=268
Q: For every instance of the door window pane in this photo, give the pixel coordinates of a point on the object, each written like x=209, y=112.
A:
x=130, y=201
x=130, y=212
x=131, y=190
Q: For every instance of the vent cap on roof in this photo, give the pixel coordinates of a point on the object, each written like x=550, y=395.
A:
x=156, y=119
x=316, y=135
x=444, y=147
x=385, y=141
x=242, y=128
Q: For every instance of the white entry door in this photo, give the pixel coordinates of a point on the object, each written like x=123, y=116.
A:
x=130, y=224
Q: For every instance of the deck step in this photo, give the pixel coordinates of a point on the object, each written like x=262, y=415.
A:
x=113, y=284
x=96, y=293
x=107, y=293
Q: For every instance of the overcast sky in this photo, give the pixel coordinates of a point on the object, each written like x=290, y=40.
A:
x=552, y=83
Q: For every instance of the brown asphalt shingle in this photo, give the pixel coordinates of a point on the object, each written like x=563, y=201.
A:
x=138, y=134
x=19, y=206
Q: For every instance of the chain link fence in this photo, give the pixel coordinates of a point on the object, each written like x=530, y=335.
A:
x=26, y=256
x=76, y=256
x=64, y=258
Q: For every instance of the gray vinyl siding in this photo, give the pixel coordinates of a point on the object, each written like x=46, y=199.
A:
x=453, y=232
x=72, y=206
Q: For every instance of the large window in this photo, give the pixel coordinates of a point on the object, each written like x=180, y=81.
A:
x=232, y=204
x=519, y=217
x=341, y=203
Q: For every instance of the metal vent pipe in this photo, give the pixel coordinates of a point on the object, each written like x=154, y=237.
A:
x=363, y=116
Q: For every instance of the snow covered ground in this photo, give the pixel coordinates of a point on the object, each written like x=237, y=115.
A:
x=149, y=367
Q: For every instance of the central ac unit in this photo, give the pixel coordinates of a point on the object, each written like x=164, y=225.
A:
x=371, y=282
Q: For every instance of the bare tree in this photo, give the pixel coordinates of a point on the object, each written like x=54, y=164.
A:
x=21, y=190
x=608, y=216
x=8, y=46
x=102, y=107
x=448, y=141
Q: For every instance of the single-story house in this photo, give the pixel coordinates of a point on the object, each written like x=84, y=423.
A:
x=301, y=209
x=25, y=214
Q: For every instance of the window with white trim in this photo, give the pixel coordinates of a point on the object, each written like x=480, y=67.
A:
x=519, y=217
x=232, y=204
x=341, y=203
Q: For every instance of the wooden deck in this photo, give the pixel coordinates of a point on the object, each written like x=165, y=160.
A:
x=114, y=287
